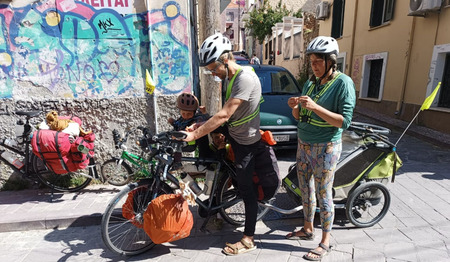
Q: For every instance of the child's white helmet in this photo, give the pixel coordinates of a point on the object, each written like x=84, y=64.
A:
x=323, y=45
x=212, y=48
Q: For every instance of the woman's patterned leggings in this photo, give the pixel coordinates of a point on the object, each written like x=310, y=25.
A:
x=316, y=164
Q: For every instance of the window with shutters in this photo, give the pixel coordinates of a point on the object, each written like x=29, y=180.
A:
x=382, y=12
x=337, y=25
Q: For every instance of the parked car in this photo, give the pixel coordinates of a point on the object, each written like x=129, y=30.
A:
x=241, y=60
x=278, y=85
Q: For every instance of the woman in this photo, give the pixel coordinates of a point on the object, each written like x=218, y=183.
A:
x=324, y=110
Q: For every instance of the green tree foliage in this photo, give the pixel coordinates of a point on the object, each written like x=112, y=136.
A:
x=263, y=19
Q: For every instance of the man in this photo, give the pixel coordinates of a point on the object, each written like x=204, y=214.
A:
x=241, y=114
x=255, y=60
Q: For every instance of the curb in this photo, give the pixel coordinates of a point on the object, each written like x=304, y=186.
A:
x=42, y=224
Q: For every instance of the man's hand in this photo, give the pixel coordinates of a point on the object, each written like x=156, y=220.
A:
x=194, y=126
x=189, y=136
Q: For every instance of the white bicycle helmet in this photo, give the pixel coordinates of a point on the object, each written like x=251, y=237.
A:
x=323, y=45
x=212, y=48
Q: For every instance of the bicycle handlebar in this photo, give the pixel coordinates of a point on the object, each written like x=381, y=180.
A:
x=366, y=128
x=381, y=138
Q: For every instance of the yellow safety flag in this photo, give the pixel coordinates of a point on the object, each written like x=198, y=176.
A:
x=429, y=100
x=149, y=84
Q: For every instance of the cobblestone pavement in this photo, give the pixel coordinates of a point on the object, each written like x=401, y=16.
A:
x=416, y=228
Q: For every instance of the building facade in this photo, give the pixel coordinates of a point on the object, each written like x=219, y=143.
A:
x=396, y=52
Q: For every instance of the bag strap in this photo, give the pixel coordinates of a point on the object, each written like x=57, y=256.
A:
x=39, y=149
x=59, y=152
x=395, y=167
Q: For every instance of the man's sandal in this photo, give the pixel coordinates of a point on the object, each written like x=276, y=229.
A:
x=320, y=254
x=306, y=236
x=239, y=249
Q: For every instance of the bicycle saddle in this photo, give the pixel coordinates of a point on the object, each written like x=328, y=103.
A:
x=28, y=114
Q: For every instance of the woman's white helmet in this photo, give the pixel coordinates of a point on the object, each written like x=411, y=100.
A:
x=212, y=48
x=323, y=45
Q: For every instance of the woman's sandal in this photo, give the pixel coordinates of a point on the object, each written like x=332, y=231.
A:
x=305, y=236
x=238, y=249
x=320, y=254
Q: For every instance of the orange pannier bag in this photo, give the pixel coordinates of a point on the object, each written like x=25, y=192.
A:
x=168, y=218
x=132, y=203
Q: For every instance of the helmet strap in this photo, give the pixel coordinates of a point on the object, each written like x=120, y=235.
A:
x=226, y=67
x=326, y=70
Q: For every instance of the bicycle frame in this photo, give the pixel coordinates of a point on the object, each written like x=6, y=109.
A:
x=165, y=161
x=209, y=206
x=137, y=161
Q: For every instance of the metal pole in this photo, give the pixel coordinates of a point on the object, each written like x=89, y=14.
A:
x=239, y=26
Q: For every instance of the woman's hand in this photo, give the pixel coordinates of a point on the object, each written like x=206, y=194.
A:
x=293, y=102
x=307, y=103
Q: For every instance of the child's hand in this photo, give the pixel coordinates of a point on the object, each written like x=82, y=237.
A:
x=222, y=145
x=202, y=109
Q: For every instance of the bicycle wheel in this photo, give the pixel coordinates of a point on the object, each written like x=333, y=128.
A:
x=368, y=204
x=116, y=174
x=70, y=182
x=123, y=220
x=235, y=214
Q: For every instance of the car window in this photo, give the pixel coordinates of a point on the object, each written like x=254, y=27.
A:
x=264, y=78
x=283, y=82
x=242, y=62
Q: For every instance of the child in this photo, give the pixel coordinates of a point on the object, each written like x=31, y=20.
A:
x=220, y=148
x=191, y=113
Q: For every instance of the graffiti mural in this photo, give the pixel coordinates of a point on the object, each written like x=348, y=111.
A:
x=171, y=61
x=67, y=48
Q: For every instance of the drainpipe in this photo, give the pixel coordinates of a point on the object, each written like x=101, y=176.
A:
x=408, y=58
x=352, y=47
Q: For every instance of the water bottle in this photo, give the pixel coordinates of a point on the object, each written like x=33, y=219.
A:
x=83, y=149
x=19, y=128
x=209, y=181
x=191, y=183
x=12, y=159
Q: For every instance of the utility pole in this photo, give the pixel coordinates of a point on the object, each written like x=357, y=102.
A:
x=209, y=24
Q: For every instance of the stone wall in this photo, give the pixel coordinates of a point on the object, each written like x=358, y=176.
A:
x=99, y=115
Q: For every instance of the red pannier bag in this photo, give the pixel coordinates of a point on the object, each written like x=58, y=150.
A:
x=77, y=159
x=168, y=218
x=53, y=148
